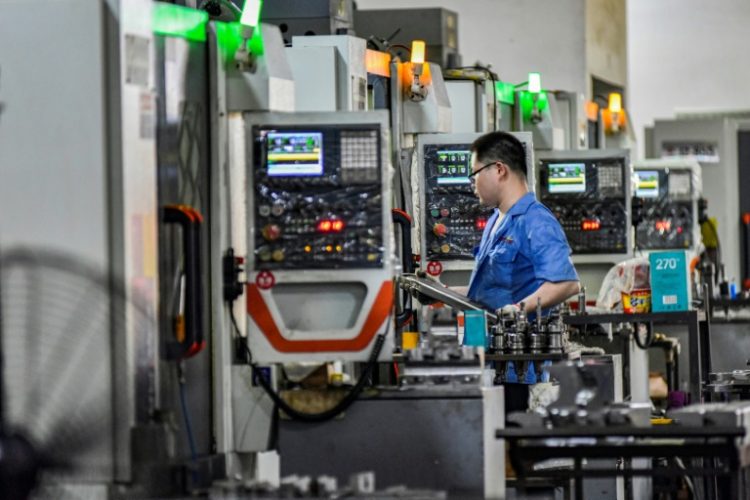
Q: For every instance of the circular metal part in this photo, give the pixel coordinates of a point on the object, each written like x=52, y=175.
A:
x=537, y=342
x=554, y=341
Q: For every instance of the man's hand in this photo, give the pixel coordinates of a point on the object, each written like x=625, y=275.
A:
x=552, y=294
x=509, y=310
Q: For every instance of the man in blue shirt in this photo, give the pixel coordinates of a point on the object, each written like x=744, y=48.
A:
x=524, y=255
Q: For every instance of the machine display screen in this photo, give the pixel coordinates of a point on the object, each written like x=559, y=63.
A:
x=566, y=178
x=648, y=184
x=453, y=166
x=292, y=154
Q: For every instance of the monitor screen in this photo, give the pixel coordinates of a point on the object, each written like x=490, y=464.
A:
x=292, y=154
x=567, y=178
x=648, y=184
x=453, y=166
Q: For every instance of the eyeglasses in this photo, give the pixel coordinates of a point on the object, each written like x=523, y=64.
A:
x=476, y=172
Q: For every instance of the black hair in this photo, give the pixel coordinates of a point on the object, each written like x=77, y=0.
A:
x=501, y=146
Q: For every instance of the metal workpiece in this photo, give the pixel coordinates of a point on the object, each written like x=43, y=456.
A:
x=714, y=414
x=516, y=328
x=587, y=398
x=537, y=333
x=537, y=340
x=515, y=340
x=498, y=337
x=514, y=335
x=556, y=332
x=440, y=362
x=728, y=386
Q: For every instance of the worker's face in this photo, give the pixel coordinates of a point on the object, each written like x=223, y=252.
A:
x=488, y=180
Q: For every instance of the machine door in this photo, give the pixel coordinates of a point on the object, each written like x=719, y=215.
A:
x=183, y=189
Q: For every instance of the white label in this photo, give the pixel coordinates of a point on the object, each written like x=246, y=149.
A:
x=665, y=264
x=669, y=300
x=137, y=60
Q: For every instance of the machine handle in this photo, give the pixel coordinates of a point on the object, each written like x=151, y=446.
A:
x=404, y=220
x=188, y=326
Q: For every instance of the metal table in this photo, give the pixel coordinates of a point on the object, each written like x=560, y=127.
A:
x=530, y=445
x=699, y=343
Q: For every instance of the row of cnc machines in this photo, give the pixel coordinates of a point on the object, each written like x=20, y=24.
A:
x=250, y=226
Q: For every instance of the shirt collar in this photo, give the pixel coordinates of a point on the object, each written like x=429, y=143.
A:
x=522, y=205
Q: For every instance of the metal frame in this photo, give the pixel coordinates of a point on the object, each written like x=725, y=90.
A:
x=531, y=445
x=699, y=341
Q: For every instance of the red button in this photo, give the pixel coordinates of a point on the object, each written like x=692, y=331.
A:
x=271, y=232
x=265, y=280
x=440, y=230
x=434, y=268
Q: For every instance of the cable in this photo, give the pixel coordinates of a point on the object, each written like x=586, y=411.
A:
x=688, y=481
x=342, y=405
x=188, y=424
x=332, y=412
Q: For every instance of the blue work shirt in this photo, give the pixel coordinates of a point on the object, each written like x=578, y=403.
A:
x=528, y=249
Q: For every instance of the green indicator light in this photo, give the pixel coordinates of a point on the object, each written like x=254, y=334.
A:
x=183, y=22
x=506, y=92
x=251, y=13
x=527, y=102
x=229, y=36
x=256, y=43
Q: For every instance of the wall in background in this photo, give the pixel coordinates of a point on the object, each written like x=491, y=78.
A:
x=686, y=54
x=514, y=36
x=607, y=41
x=681, y=54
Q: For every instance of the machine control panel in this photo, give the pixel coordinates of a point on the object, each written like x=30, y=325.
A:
x=666, y=209
x=454, y=219
x=589, y=196
x=317, y=197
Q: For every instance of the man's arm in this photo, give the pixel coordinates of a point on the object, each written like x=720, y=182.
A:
x=551, y=294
